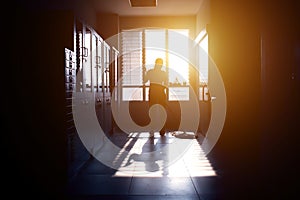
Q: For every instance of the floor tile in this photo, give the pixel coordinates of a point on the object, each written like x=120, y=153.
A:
x=162, y=186
x=208, y=187
x=100, y=184
x=137, y=197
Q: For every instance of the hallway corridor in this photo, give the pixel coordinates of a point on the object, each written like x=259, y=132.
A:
x=62, y=48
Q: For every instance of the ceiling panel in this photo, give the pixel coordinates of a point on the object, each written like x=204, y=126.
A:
x=163, y=8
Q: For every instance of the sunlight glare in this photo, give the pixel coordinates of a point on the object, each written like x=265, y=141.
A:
x=136, y=163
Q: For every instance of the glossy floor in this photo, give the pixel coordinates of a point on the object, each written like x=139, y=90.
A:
x=168, y=167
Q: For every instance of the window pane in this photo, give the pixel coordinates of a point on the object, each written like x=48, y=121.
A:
x=155, y=45
x=179, y=93
x=178, y=43
x=131, y=58
x=147, y=94
x=170, y=45
x=178, y=71
x=106, y=65
x=203, y=60
x=87, y=64
x=178, y=56
x=94, y=62
x=99, y=64
x=130, y=94
x=155, y=39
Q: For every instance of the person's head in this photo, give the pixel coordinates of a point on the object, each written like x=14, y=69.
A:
x=159, y=63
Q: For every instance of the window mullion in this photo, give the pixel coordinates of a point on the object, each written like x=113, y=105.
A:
x=143, y=63
x=167, y=60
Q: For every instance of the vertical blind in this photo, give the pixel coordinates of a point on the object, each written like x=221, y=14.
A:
x=131, y=58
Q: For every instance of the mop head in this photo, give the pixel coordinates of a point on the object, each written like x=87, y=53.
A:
x=183, y=135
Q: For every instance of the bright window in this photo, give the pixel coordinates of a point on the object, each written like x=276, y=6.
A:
x=203, y=60
x=140, y=49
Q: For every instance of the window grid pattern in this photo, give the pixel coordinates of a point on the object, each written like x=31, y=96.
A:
x=131, y=58
x=146, y=45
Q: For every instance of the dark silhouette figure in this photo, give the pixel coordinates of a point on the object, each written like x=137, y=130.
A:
x=157, y=90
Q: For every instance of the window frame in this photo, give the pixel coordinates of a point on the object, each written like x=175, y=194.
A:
x=145, y=87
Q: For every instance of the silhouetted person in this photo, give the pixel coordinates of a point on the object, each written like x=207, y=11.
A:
x=157, y=90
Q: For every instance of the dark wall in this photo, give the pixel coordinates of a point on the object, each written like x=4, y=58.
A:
x=281, y=90
x=36, y=115
x=253, y=43
x=107, y=25
x=234, y=39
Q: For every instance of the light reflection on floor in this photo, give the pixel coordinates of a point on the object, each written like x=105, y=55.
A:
x=138, y=163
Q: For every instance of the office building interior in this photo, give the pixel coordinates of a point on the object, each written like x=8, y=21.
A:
x=78, y=114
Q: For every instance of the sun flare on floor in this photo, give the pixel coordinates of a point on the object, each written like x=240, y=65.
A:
x=140, y=161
